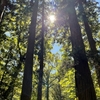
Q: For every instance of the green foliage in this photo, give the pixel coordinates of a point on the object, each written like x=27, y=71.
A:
x=58, y=68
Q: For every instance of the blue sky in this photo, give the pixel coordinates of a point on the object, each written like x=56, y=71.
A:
x=56, y=48
x=98, y=0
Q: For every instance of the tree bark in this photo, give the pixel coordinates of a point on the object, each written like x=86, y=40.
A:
x=47, y=86
x=87, y=28
x=47, y=94
x=27, y=79
x=84, y=85
x=91, y=40
x=39, y=95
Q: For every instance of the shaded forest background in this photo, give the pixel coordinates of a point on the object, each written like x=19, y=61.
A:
x=30, y=70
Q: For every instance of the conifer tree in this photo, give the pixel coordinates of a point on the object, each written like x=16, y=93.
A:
x=92, y=43
x=27, y=80
x=84, y=85
x=41, y=58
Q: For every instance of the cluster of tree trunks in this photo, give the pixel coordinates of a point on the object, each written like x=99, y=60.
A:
x=84, y=85
x=92, y=44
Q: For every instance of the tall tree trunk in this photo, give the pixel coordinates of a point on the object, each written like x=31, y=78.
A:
x=60, y=92
x=47, y=86
x=87, y=28
x=39, y=95
x=84, y=85
x=27, y=79
x=47, y=92
x=91, y=40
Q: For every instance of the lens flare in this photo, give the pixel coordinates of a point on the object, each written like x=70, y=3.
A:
x=52, y=18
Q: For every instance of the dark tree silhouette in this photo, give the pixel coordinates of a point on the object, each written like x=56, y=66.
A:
x=84, y=85
x=27, y=80
x=39, y=95
x=91, y=40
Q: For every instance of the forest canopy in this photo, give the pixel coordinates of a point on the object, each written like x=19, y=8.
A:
x=49, y=50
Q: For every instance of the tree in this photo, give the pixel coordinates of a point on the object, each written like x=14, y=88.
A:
x=41, y=57
x=92, y=43
x=27, y=80
x=58, y=69
x=84, y=85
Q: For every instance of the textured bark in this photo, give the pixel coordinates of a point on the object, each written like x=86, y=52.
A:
x=84, y=85
x=39, y=95
x=91, y=40
x=27, y=79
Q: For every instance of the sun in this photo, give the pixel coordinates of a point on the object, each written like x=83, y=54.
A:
x=52, y=18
